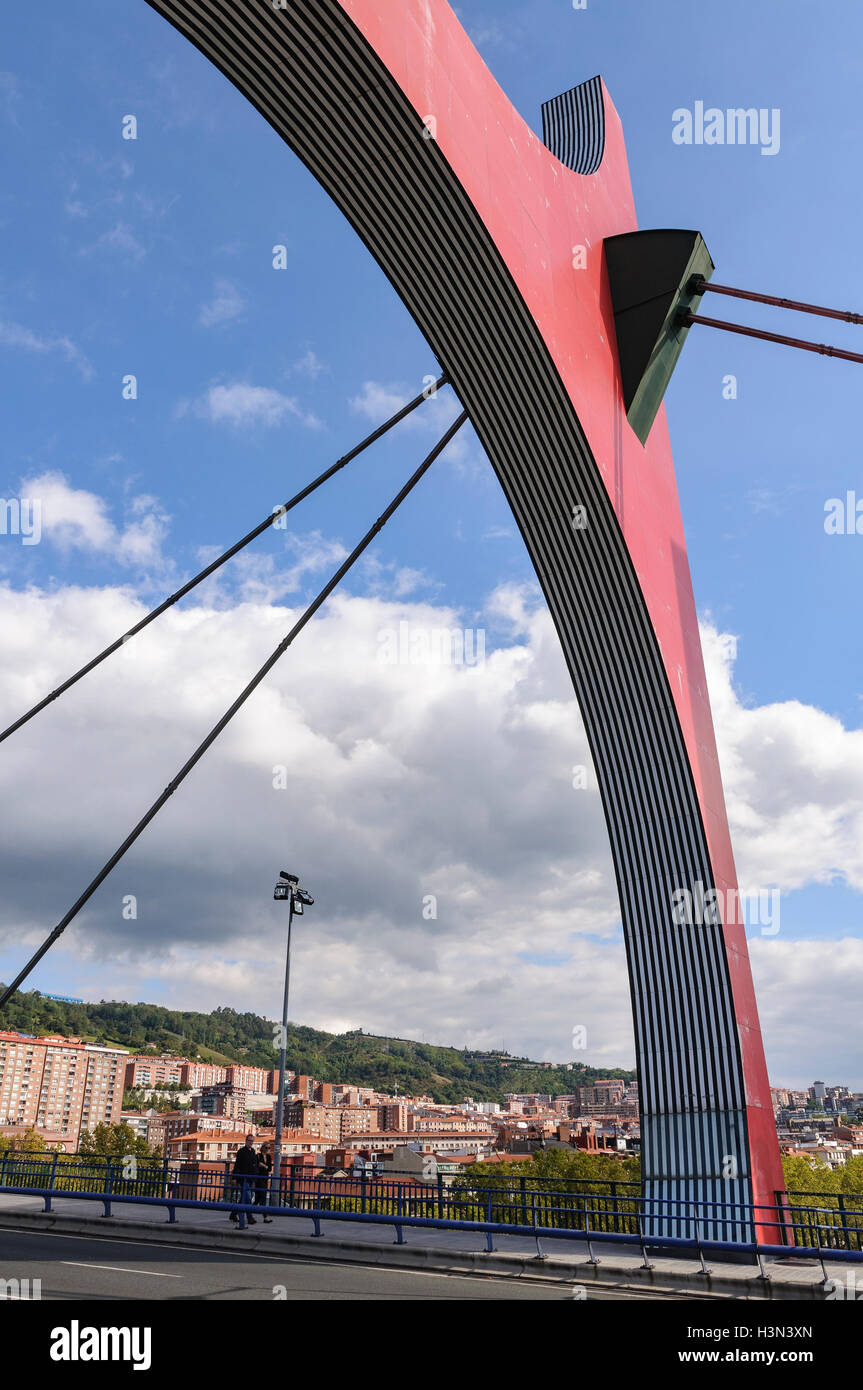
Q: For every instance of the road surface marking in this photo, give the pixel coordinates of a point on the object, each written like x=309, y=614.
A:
x=119, y=1269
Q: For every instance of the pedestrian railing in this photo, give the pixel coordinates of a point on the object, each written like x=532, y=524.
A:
x=541, y=1208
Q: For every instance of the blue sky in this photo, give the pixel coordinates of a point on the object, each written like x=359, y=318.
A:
x=153, y=257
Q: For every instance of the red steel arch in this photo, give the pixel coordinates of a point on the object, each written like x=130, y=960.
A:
x=477, y=228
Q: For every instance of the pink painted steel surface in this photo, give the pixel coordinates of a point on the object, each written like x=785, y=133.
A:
x=537, y=212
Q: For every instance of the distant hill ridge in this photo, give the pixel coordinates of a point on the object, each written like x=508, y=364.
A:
x=448, y=1074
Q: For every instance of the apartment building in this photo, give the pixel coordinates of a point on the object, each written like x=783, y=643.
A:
x=61, y=1085
x=145, y=1070
x=176, y=1123
x=248, y=1078
x=440, y=1142
x=451, y=1124
x=222, y=1100
x=358, y=1119
x=207, y=1146
x=394, y=1115
x=322, y=1120
x=198, y=1074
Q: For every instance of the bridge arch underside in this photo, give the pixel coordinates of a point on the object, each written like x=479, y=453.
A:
x=316, y=80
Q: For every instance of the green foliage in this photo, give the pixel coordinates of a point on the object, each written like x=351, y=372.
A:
x=169, y=1098
x=28, y=1143
x=814, y=1176
x=824, y=1198
x=555, y=1187
x=447, y=1074
x=113, y=1141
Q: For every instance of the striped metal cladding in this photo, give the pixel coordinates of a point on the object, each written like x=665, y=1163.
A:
x=320, y=85
x=573, y=126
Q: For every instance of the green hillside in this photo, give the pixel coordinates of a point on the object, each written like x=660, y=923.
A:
x=445, y=1073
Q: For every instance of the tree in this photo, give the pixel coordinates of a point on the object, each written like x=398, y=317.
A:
x=113, y=1141
x=28, y=1143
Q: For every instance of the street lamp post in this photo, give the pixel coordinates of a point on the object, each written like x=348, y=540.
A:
x=297, y=898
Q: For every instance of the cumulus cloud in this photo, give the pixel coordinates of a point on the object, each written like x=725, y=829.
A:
x=793, y=780
x=241, y=405
x=75, y=519
x=809, y=1007
x=15, y=335
x=267, y=578
x=393, y=787
x=401, y=782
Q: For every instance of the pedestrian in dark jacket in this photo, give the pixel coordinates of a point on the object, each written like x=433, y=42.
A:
x=245, y=1173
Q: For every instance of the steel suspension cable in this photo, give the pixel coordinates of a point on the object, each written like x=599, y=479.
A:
x=237, y=705
x=216, y=564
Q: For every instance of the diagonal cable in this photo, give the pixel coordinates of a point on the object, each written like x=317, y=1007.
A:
x=227, y=555
x=235, y=707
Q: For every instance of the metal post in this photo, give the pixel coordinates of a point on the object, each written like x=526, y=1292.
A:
x=109, y=1188
x=280, y=1104
x=645, y=1262
x=52, y=1180
x=697, y=1223
x=591, y=1258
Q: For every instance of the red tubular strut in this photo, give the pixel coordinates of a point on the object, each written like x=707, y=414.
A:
x=687, y=318
x=701, y=286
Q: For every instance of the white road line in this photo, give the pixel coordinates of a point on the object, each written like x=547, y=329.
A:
x=119, y=1269
x=277, y=1257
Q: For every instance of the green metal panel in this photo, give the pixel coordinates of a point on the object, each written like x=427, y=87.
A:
x=650, y=276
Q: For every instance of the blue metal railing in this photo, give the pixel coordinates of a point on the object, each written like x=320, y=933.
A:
x=534, y=1207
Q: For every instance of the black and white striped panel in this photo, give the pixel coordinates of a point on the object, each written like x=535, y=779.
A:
x=680, y=1179
x=304, y=67
x=573, y=126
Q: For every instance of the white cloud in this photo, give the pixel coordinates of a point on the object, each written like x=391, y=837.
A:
x=255, y=578
x=226, y=304
x=402, y=781
x=809, y=1008
x=75, y=519
x=15, y=335
x=793, y=780
x=378, y=402
x=400, y=784
x=241, y=405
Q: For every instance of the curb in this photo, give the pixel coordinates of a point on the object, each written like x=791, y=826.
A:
x=543, y=1269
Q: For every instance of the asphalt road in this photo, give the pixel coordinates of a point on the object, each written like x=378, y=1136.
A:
x=80, y=1267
